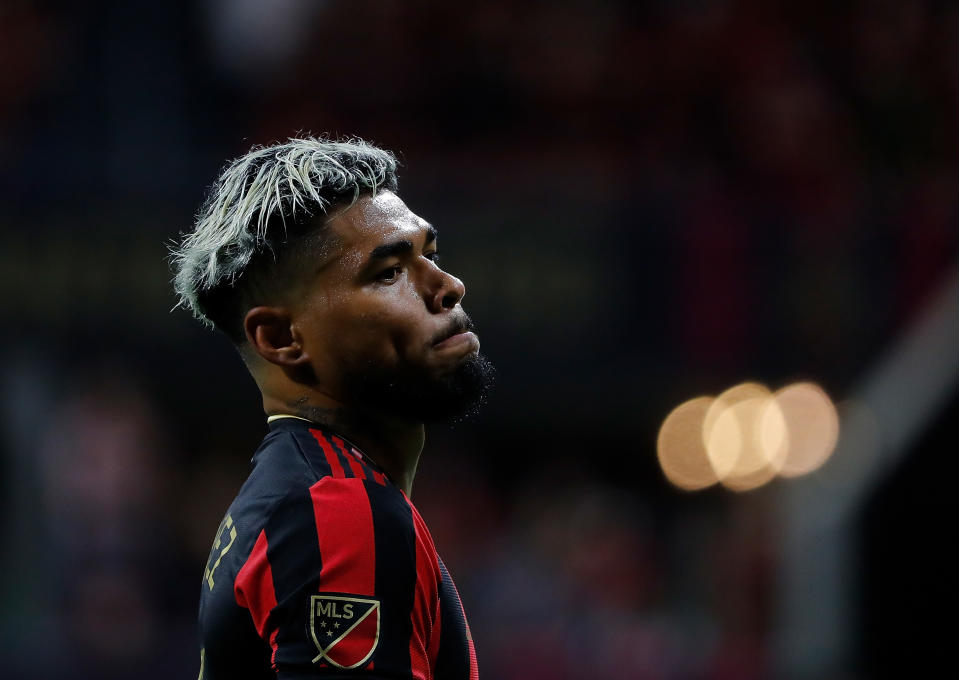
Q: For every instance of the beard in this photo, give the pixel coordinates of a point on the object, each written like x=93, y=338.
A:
x=413, y=395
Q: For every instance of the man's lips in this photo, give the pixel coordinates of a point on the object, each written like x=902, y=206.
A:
x=462, y=338
x=456, y=326
x=459, y=332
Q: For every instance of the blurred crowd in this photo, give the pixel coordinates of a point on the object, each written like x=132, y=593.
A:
x=646, y=199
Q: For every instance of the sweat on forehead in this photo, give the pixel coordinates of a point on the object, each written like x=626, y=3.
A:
x=385, y=211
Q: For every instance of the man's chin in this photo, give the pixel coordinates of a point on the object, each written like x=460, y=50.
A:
x=463, y=392
x=454, y=396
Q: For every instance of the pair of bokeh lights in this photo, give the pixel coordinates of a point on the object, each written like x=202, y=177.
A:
x=748, y=436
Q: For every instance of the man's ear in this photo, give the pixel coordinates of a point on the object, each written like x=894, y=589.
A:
x=271, y=334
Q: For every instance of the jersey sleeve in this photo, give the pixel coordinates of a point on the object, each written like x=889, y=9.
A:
x=338, y=584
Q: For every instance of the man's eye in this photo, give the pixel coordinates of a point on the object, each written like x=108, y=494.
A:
x=433, y=257
x=388, y=275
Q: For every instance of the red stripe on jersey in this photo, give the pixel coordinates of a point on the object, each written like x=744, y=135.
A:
x=424, y=644
x=253, y=588
x=275, y=648
x=335, y=468
x=355, y=465
x=344, y=527
x=474, y=667
x=351, y=457
x=378, y=476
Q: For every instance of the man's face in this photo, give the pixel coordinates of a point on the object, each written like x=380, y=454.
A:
x=383, y=324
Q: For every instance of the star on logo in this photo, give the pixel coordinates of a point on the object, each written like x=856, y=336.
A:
x=336, y=624
x=323, y=624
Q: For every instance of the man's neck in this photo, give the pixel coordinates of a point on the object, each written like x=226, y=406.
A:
x=393, y=444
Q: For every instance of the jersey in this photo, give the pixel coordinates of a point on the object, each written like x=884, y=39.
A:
x=322, y=568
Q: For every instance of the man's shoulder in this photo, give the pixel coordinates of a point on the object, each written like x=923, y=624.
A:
x=297, y=458
x=279, y=469
x=291, y=484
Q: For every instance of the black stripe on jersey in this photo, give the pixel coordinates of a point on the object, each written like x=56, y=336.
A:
x=395, y=543
x=453, y=659
x=342, y=457
x=365, y=464
x=310, y=448
x=370, y=471
x=293, y=551
x=369, y=465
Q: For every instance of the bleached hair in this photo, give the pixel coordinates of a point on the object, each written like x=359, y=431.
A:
x=258, y=197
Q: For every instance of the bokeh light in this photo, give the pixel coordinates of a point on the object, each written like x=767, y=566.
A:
x=731, y=435
x=680, y=448
x=747, y=436
x=812, y=428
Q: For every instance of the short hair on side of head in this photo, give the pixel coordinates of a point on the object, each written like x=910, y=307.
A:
x=261, y=204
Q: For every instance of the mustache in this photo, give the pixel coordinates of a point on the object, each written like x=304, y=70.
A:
x=460, y=323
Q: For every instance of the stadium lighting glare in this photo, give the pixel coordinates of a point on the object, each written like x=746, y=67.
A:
x=753, y=465
x=680, y=448
x=747, y=436
x=730, y=435
x=812, y=428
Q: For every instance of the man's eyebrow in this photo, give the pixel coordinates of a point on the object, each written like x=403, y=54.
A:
x=391, y=250
x=400, y=247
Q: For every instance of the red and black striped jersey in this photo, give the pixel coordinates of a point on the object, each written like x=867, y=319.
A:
x=322, y=568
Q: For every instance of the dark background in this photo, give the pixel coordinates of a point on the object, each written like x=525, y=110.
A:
x=647, y=201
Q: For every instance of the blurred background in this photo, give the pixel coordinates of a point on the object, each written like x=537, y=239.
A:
x=648, y=201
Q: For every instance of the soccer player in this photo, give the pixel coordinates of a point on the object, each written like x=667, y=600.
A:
x=330, y=288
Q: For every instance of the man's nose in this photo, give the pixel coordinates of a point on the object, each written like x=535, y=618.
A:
x=447, y=291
